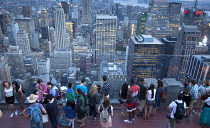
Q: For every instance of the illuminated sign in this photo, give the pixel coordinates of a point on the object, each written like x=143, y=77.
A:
x=186, y=11
x=198, y=12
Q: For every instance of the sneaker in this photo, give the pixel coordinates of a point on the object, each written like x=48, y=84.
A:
x=127, y=121
x=132, y=119
x=198, y=114
x=169, y=125
x=122, y=113
x=16, y=112
x=12, y=115
x=139, y=114
x=21, y=113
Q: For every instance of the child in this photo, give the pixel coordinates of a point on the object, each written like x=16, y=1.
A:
x=70, y=110
x=70, y=93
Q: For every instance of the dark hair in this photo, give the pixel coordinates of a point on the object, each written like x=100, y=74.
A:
x=69, y=85
x=104, y=78
x=35, y=91
x=180, y=96
x=186, y=91
x=192, y=81
x=17, y=85
x=152, y=87
x=106, y=102
x=160, y=83
x=83, y=80
x=98, y=87
x=49, y=96
x=124, y=91
x=39, y=81
x=71, y=104
x=6, y=82
x=142, y=80
x=49, y=83
x=79, y=91
x=132, y=81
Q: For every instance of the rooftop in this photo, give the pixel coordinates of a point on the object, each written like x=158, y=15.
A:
x=105, y=17
x=145, y=39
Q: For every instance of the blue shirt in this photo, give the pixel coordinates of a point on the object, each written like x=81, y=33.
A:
x=83, y=88
x=194, y=92
x=71, y=113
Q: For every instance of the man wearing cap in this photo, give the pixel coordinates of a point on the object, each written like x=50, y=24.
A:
x=33, y=99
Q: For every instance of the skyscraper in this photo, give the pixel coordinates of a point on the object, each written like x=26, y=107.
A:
x=15, y=58
x=86, y=16
x=141, y=23
x=12, y=29
x=23, y=42
x=26, y=11
x=60, y=28
x=188, y=38
x=106, y=28
x=44, y=24
x=144, y=58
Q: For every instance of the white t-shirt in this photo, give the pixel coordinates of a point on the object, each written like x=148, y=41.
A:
x=9, y=92
x=208, y=101
x=149, y=97
x=173, y=105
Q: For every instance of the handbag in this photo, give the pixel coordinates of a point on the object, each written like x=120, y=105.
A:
x=45, y=118
x=163, y=95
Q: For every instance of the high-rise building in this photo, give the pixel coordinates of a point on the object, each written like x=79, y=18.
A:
x=60, y=28
x=86, y=15
x=30, y=64
x=27, y=24
x=12, y=29
x=160, y=32
x=26, y=11
x=66, y=7
x=43, y=66
x=106, y=31
x=4, y=69
x=4, y=19
x=188, y=38
x=141, y=24
x=144, y=58
x=15, y=58
x=23, y=42
x=199, y=67
x=129, y=10
x=44, y=24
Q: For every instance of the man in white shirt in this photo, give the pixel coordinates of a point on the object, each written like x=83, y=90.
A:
x=172, y=107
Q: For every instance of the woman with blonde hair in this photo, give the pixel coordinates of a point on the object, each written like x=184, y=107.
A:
x=93, y=100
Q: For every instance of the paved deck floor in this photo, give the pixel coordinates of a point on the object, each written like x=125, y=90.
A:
x=157, y=121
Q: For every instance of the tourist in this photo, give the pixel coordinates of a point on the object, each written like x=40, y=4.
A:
x=141, y=96
x=81, y=111
x=106, y=106
x=52, y=89
x=70, y=93
x=105, y=87
x=52, y=109
x=19, y=95
x=172, y=107
x=159, y=90
x=42, y=89
x=150, y=101
x=194, y=95
x=93, y=100
x=82, y=86
x=27, y=112
x=9, y=97
x=123, y=96
x=70, y=110
x=131, y=101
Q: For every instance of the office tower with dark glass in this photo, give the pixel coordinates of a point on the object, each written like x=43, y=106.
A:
x=144, y=58
x=106, y=29
x=44, y=24
x=86, y=16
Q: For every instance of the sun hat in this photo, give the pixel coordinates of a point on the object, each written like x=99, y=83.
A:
x=32, y=98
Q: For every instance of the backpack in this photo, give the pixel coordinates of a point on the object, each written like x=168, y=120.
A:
x=104, y=116
x=35, y=113
x=205, y=96
x=180, y=111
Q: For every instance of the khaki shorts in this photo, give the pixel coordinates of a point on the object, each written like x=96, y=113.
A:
x=192, y=102
x=141, y=104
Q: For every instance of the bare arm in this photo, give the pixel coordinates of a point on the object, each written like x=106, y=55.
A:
x=44, y=111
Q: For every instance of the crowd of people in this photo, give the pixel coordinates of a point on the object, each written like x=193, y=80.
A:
x=139, y=100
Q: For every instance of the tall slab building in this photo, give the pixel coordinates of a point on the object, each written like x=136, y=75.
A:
x=106, y=32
